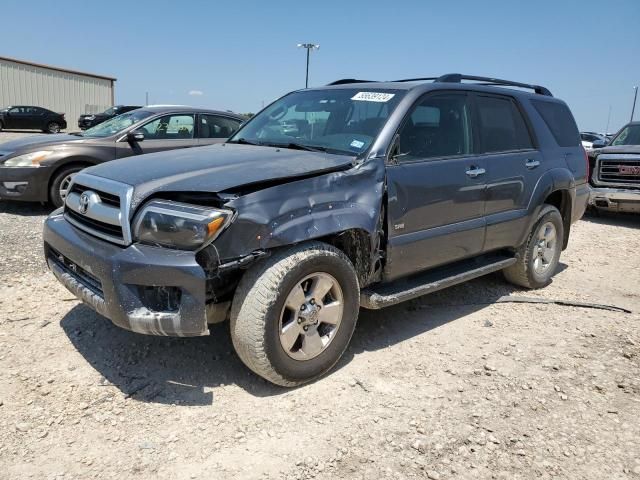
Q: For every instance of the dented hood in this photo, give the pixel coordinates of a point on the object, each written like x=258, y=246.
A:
x=216, y=168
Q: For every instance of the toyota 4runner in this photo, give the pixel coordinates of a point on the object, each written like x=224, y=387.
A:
x=357, y=194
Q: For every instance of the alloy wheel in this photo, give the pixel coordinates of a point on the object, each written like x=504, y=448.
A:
x=311, y=316
x=64, y=186
x=544, y=249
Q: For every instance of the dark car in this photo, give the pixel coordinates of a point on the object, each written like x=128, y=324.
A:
x=89, y=120
x=383, y=191
x=40, y=168
x=24, y=117
x=615, y=172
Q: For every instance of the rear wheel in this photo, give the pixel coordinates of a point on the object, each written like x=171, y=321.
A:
x=538, y=258
x=60, y=185
x=53, y=127
x=1, y=126
x=293, y=314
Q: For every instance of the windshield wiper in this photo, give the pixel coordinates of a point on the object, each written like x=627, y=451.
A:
x=244, y=141
x=77, y=134
x=298, y=146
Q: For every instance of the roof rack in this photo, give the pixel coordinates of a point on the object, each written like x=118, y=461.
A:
x=458, y=78
x=344, y=81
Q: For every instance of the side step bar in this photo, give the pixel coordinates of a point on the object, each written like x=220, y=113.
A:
x=379, y=296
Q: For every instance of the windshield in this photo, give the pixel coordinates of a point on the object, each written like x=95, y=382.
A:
x=629, y=135
x=344, y=121
x=109, y=111
x=116, y=124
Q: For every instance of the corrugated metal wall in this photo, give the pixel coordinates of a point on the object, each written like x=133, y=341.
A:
x=71, y=93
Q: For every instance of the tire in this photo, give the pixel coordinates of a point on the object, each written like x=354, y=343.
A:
x=537, y=263
x=1, y=126
x=61, y=178
x=261, y=313
x=53, y=127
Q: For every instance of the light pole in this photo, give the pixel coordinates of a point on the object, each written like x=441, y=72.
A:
x=308, y=47
x=635, y=96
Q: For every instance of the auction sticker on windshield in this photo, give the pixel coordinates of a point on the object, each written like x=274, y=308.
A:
x=373, y=96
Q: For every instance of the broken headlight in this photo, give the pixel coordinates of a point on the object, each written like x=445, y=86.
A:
x=179, y=225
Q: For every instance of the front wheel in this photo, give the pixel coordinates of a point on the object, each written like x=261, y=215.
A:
x=538, y=258
x=60, y=185
x=293, y=314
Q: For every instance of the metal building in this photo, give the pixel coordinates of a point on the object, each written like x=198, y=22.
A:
x=58, y=89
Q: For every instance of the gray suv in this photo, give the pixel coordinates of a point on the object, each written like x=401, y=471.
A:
x=383, y=191
x=41, y=168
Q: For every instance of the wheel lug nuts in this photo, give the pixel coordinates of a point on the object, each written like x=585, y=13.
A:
x=303, y=307
x=305, y=328
x=312, y=301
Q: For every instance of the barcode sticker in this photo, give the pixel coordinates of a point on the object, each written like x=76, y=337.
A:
x=373, y=96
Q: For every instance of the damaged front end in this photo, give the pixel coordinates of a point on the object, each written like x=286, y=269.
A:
x=162, y=291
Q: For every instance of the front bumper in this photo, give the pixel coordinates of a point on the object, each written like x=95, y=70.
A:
x=29, y=183
x=118, y=282
x=615, y=199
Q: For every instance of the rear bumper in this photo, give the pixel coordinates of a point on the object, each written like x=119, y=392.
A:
x=615, y=199
x=140, y=288
x=28, y=184
x=84, y=124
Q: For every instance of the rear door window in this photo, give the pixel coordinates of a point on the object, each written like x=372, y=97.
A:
x=213, y=126
x=502, y=127
x=169, y=127
x=560, y=122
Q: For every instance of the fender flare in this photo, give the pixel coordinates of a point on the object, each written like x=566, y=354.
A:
x=556, y=179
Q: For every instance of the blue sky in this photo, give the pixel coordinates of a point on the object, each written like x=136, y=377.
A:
x=241, y=54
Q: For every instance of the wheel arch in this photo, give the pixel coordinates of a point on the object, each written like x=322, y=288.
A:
x=71, y=162
x=562, y=200
x=555, y=187
x=359, y=246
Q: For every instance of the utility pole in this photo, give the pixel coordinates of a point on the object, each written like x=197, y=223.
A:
x=146, y=98
x=635, y=96
x=308, y=47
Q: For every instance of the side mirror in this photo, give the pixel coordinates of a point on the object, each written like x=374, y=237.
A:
x=135, y=136
x=599, y=144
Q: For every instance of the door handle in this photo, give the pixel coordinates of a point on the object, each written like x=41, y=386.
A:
x=474, y=172
x=531, y=164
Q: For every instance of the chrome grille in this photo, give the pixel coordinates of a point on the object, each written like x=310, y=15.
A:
x=100, y=207
x=619, y=170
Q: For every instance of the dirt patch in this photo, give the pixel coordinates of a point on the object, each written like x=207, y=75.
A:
x=447, y=386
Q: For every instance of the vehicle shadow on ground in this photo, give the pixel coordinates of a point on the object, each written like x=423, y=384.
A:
x=25, y=209
x=179, y=370
x=629, y=220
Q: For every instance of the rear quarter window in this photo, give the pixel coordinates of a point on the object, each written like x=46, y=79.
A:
x=560, y=122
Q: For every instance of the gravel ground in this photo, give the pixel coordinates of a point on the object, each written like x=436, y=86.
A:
x=448, y=386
